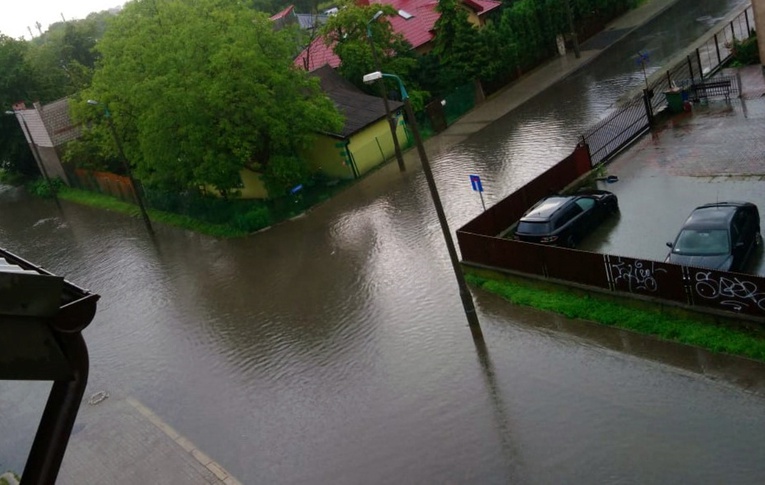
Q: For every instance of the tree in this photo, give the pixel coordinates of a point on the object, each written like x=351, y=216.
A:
x=347, y=32
x=198, y=90
x=17, y=83
x=458, y=45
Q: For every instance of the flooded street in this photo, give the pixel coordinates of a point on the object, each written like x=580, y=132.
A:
x=334, y=349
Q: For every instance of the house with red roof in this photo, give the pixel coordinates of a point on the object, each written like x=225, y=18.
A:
x=416, y=20
x=364, y=141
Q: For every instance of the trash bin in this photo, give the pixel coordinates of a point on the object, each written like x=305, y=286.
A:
x=674, y=100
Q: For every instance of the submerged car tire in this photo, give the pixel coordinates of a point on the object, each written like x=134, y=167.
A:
x=570, y=242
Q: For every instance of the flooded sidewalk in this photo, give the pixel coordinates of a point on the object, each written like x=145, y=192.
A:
x=119, y=440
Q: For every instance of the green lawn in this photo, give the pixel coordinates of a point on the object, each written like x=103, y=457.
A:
x=664, y=325
x=113, y=204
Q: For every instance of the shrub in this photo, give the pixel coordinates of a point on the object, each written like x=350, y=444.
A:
x=42, y=188
x=745, y=52
x=252, y=220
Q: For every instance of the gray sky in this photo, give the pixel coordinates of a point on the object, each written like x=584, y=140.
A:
x=16, y=15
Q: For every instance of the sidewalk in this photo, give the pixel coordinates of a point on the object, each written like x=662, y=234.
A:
x=538, y=80
x=120, y=441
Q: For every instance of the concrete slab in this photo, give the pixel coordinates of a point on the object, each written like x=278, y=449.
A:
x=121, y=441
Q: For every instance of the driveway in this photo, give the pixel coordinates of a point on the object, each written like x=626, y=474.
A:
x=714, y=153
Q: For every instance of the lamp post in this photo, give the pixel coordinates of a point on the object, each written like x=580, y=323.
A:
x=36, y=154
x=391, y=120
x=126, y=166
x=574, y=39
x=467, y=299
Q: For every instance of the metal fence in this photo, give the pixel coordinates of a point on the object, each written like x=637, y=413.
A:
x=698, y=69
x=241, y=214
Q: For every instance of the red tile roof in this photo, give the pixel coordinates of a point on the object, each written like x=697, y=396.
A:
x=418, y=30
x=283, y=13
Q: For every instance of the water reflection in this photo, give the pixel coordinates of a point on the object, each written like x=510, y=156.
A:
x=333, y=348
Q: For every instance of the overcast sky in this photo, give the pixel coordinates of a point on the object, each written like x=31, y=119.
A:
x=16, y=15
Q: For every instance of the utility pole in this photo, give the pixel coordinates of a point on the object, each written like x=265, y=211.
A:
x=391, y=119
x=574, y=40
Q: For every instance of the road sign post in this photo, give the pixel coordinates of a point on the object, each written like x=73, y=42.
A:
x=475, y=182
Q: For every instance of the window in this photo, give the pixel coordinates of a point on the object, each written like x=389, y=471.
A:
x=405, y=15
x=586, y=203
x=533, y=227
x=567, y=215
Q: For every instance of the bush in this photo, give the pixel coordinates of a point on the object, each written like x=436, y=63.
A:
x=745, y=52
x=42, y=188
x=252, y=220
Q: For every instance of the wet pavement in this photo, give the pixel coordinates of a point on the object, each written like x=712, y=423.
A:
x=333, y=348
x=715, y=152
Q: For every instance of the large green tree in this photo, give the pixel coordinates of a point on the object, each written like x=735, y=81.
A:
x=347, y=32
x=199, y=89
x=17, y=83
x=458, y=46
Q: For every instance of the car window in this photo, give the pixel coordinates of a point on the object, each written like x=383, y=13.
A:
x=533, y=227
x=585, y=203
x=566, y=215
x=702, y=242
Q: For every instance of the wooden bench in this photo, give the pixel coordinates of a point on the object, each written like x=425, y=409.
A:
x=705, y=89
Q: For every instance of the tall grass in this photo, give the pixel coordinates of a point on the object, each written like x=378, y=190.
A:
x=708, y=335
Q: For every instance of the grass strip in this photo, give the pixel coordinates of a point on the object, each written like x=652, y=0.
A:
x=107, y=202
x=707, y=335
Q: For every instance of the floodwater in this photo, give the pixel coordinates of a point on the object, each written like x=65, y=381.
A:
x=334, y=349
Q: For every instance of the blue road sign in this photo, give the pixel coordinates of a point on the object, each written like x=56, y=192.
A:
x=475, y=181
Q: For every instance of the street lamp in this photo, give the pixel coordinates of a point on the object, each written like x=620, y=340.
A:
x=391, y=120
x=467, y=299
x=36, y=153
x=126, y=165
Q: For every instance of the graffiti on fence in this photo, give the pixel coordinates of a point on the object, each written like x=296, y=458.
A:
x=635, y=275
x=731, y=291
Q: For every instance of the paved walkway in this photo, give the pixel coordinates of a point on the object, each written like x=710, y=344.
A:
x=121, y=441
x=536, y=81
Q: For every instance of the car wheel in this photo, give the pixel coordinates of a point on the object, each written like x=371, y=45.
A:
x=570, y=242
x=758, y=239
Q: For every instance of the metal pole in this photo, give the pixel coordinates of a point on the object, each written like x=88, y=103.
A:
x=38, y=158
x=129, y=172
x=574, y=39
x=467, y=299
x=391, y=120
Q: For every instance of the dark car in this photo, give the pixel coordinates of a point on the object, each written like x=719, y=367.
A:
x=719, y=236
x=565, y=219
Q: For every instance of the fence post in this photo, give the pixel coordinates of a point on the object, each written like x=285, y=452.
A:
x=732, y=30
x=738, y=83
x=669, y=81
x=746, y=18
x=701, y=68
x=717, y=47
x=690, y=69
x=647, y=94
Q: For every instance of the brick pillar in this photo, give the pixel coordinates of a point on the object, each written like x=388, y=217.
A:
x=758, y=7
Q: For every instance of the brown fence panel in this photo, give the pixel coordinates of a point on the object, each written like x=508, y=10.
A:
x=576, y=266
x=727, y=291
x=501, y=253
x=646, y=277
x=504, y=213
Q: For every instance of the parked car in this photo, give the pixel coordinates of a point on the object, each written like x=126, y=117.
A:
x=719, y=236
x=565, y=219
